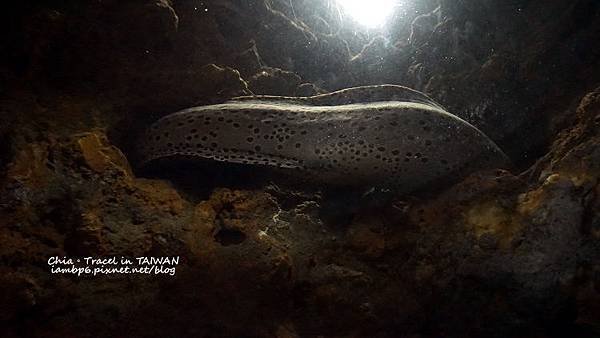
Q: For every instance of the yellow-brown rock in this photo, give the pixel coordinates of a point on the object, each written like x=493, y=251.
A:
x=101, y=156
x=491, y=218
x=158, y=195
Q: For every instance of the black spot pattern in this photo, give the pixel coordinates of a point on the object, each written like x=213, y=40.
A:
x=363, y=143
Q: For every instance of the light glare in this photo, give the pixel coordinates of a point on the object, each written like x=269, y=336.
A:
x=371, y=13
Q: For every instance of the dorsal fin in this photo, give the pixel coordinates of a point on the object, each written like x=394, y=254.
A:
x=368, y=94
x=270, y=99
x=355, y=95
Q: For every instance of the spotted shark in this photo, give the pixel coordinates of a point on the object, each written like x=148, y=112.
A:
x=386, y=136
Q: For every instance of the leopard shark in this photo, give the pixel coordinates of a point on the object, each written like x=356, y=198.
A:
x=383, y=135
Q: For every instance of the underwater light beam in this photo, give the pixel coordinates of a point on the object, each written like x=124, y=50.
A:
x=370, y=13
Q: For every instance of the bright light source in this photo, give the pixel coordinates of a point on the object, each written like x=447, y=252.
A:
x=371, y=13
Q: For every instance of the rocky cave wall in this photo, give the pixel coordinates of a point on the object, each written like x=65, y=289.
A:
x=499, y=254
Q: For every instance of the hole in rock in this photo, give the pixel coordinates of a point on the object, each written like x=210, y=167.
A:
x=228, y=237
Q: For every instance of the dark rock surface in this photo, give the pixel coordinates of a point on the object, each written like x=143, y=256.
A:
x=501, y=254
